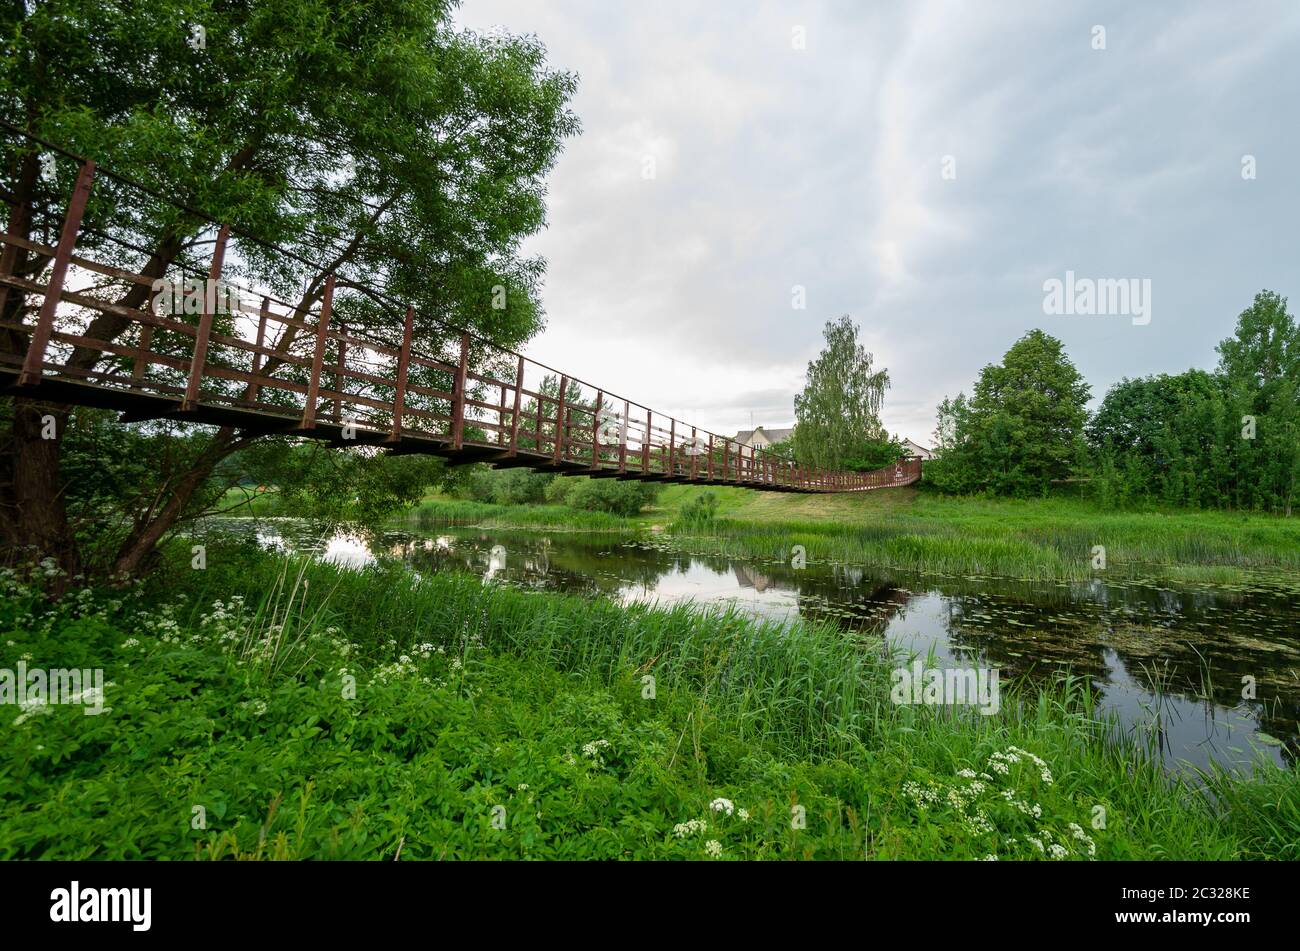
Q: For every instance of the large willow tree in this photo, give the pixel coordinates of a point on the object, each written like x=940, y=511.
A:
x=375, y=140
x=837, y=416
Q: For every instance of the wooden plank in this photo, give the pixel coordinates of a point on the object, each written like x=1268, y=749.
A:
x=514, y=419
x=142, y=360
x=622, y=439
x=669, y=463
x=131, y=277
x=318, y=359
x=458, y=389
x=262, y=318
x=560, y=419
x=339, y=371
x=501, y=417
x=595, y=430
x=35, y=359
x=537, y=423
x=205, y=321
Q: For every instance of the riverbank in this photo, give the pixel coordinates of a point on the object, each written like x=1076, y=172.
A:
x=911, y=530
x=303, y=710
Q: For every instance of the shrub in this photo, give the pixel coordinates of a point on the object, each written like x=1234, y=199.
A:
x=610, y=495
x=699, y=512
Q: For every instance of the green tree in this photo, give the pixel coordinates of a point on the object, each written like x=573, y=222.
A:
x=1021, y=429
x=837, y=415
x=1260, y=364
x=372, y=140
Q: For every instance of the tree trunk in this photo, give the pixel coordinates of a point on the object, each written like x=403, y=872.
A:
x=140, y=544
x=35, y=519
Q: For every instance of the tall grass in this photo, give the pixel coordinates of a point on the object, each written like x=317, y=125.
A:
x=1035, y=539
x=803, y=690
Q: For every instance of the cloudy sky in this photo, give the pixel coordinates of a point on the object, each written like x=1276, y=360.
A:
x=922, y=166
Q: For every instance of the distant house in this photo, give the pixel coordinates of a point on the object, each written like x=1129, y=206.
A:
x=917, y=451
x=762, y=437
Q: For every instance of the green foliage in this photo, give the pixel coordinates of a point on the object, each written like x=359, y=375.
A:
x=376, y=141
x=876, y=453
x=616, y=496
x=357, y=488
x=1227, y=439
x=230, y=692
x=1022, y=428
x=699, y=512
x=434, y=512
x=507, y=486
x=837, y=415
x=916, y=531
x=1224, y=439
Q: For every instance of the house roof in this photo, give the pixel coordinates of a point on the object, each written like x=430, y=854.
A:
x=773, y=434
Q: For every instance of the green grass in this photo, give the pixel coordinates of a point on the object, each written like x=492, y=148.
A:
x=433, y=512
x=922, y=531
x=248, y=501
x=468, y=698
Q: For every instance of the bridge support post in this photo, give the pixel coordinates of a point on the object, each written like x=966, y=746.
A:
x=514, y=418
x=458, y=394
x=205, y=322
x=622, y=439
x=403, y=364
x=501, y=417
x=138, y=365
x=35, y=359
x=262, y=317
x=318, y=359
x=560, y=422
x=595, y=430
x=339, y=373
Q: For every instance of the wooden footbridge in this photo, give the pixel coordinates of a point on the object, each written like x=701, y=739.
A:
x=165, y=343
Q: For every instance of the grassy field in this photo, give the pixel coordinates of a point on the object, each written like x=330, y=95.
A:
x=436, y=511
x=921, y=531
x=266, y=708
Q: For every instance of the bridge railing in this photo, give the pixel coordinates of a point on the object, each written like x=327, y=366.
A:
x=206, y=340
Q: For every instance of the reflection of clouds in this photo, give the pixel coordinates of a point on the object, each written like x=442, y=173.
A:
x=348, y=551
x=272, y=540
x=496, y=562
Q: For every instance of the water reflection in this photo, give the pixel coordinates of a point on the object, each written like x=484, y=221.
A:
x=1176, y=665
